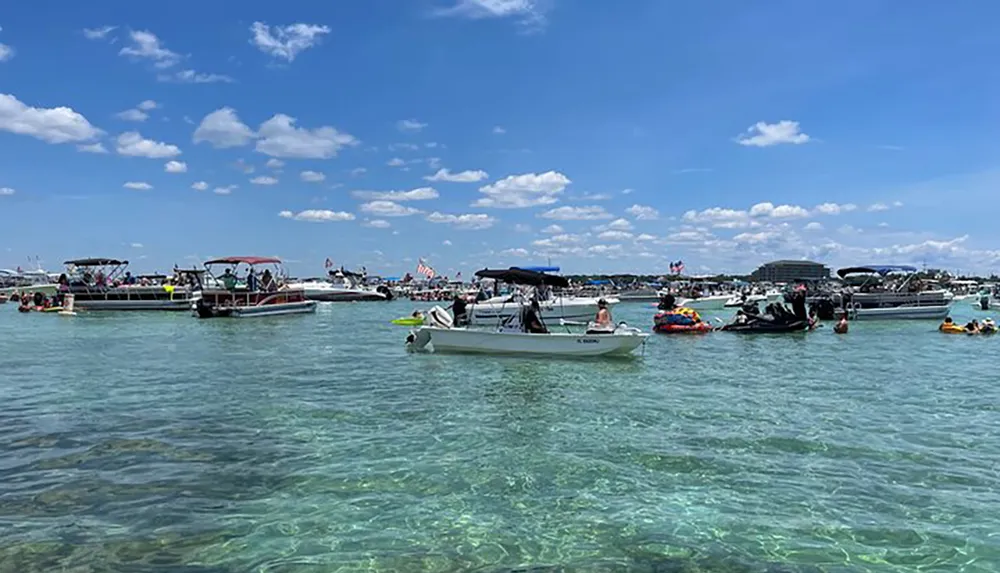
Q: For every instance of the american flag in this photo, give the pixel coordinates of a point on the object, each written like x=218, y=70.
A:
x=677, y=268
x=328, y=263
x=425, y=269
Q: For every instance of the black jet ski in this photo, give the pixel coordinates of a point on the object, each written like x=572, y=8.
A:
x=776, y=318
x=765, y=326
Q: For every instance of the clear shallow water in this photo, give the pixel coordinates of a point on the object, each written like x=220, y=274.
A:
x=157, y=442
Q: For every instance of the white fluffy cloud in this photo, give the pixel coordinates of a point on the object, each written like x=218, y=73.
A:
x=499, y=130
x=132, y=144
x=643, y=212
x=418, y=194
x=132, y=115
x=719, y=217
x=468, y=221
x=383, y=208
x=835, y=209
x=193, y=77
x=613, y=235
x=92, y=148
x=275, y=163
x=763, y=134
x=7, y=191
x=553, y=229
x=468, y=176
x=410, y=125
x=813, y=226
x=286, y=42
x=52, y=125
x=199, y=186
x=312, y=176
x=175, y=167
x=527, y=190
x=618, y=225
x=98, y=33
x=264, y=180
x=144, y=45
x=531, y=13
x=317, y=216
x=591, y=213
x=224, y=190
x=279, y=137
x=378, y=224
x=138, y=185
x=767, y=209
x=222, y=128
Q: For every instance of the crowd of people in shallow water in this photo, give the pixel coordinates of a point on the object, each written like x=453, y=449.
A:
x=987, y=326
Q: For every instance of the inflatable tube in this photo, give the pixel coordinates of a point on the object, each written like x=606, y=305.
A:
x=409, y=321
x=697, y=328
x=952, y=329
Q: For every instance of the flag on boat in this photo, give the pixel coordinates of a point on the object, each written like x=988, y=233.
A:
x=677, y=268
x=458, y=275
x=328, y=263
x=424, y=269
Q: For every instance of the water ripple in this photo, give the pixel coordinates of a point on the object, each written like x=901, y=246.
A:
x=163, y=443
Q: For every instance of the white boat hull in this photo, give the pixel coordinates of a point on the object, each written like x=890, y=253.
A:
x=739, y=301
x=178, y=304
x=705, y=303
x=461, y=340
x=303, y=307
x=901, y=313
x=576, y=309
x=330, y=293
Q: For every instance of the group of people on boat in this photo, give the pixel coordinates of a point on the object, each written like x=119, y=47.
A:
x=987, y=326
x=264, y=283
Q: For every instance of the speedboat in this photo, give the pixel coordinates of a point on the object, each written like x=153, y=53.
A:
x=738, y=300
x=711, y=302
x=255, y=295
x=878, y=298
x=18, y=281
x=104, y=284
x=494, y=310
x=341, y=286
x=510, y=337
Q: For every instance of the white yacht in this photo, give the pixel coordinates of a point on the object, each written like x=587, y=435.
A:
x=496, y=309
x=341, y=286
x=38, y=280
x=876, y=297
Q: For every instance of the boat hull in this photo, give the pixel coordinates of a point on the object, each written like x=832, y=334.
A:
x=343, y=296
x=179, y=304
x=766, y=328
x=489, y=313
x=460, y=340
x=705, y=303
x=901, y=313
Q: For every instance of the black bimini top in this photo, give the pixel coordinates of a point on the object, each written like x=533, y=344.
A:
x=523, y=277
x=95, y=262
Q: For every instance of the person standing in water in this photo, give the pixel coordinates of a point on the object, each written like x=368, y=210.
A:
x=841, y=326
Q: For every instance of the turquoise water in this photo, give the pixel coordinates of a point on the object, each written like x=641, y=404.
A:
x=158, y=442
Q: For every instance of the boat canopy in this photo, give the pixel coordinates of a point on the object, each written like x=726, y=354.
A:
x=877, y=269
x=523, y=277
x=95, y=262
x=539, y=269
x=246, y=260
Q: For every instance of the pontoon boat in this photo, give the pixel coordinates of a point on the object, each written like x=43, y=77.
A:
x=252, y=294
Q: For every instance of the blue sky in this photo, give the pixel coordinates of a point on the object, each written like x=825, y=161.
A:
x=607, y=136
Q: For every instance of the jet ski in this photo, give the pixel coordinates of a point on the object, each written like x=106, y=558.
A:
x=776, y=318
x=764, y=326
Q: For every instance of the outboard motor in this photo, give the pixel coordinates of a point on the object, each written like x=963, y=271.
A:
x=984, y=302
